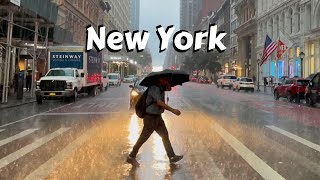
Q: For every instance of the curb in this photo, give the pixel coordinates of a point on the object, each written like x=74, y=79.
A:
x=20, y=104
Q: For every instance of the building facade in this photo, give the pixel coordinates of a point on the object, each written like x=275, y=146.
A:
x=246, y=35
x=51, y=22
x=299, y=21
x=189, y=10
x=135, y=15
x=118, y=18
x=222, y=20
x=234, y=24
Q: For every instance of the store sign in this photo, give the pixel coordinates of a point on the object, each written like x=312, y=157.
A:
x=66, y=60
x=16, y=2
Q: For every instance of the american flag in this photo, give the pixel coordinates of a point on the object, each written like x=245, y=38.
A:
x=269, y=48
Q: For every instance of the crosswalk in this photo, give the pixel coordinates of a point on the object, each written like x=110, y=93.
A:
x=41, y=172
x=17, y=136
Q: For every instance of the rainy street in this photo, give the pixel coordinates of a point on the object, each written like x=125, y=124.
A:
x=221, y=133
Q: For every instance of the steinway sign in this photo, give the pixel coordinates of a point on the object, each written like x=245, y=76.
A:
x=16, y=2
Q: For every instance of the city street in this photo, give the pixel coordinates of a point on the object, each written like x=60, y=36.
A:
x=221, y=133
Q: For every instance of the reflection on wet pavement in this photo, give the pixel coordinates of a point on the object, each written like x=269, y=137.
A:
x=220, y=138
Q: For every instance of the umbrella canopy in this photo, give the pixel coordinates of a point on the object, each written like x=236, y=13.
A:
x=177, y=77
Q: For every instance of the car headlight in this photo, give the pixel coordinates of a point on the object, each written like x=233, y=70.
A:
x=134, y=93
x=69, y=85
x=38, y=85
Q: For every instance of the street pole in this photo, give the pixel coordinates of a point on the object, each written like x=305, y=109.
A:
x=5, y=89
x=258, y=90
x=34, y=58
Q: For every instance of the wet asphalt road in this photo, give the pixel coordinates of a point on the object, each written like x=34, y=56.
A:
x=222, y=134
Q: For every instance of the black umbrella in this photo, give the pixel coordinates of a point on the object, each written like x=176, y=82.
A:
x=177, y=77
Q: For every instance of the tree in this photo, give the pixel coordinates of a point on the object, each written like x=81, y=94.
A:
x=203, y=60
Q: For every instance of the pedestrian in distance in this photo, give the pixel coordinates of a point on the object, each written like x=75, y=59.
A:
x=28, y=81
x=254, y=79
x=155, y=106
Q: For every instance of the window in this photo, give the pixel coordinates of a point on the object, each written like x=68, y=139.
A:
x=302, y=82
x=298, y=52
x=316, y=81
x=291, y=53
x=312, y=59
x=289, y=81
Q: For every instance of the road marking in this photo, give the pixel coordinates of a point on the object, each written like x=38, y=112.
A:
x=33, y=116
x=296, y=138
x=252, y=159
x=1, y=130
x=45, y=169
x=17, y=136
x=204, y=159
x=27, y=149
x=78, y=113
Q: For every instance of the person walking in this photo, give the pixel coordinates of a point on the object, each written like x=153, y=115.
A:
x=28, y=81
x=155, y=101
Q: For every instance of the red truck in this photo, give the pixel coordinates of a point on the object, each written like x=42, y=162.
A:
x=292, y=89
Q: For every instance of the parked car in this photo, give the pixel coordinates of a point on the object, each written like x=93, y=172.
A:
x=136, y=92
x=292, y=89
x=193, y=79
x=226, y=81
x=114, y=79
x=312, y=93
x=129, y=79
x=243, y=83
x=105, y=80
x=204, y=80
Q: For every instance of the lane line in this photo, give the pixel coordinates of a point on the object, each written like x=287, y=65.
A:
x=29, y=148
x=252, y=159
x=45, y=169
x=296, y=138
x=33, y=116
x=1, y=130
x=17, y=136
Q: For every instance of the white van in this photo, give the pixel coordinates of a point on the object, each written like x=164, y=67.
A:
x=114, y=79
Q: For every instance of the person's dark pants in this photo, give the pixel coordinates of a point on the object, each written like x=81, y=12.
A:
x=153, y=123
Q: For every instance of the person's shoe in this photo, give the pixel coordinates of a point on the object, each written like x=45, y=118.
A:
x=132, y=160
x=175, y=159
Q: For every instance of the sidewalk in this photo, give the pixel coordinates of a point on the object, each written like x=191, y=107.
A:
x=265, y=90
x=13, y=101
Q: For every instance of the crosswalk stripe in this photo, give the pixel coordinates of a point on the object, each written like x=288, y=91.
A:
x=1, y=130
x=27, y=149
x=79, y=113
x=296, y=138
x=252, y=159
x=17, y=136
x=43, y=171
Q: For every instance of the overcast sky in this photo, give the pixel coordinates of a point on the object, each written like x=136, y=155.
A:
x=154, y=13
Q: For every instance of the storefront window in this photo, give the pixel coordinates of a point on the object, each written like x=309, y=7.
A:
x=265, y=69
x=280, y=69
x=226, y=68
x=312, y=59
x=291, y=68
x=273, y=68
x=298, y=67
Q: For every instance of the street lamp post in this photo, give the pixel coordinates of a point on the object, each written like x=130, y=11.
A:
x=301, y=64
x=258, y=63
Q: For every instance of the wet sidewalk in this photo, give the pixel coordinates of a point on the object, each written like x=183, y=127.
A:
x=13, y=101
